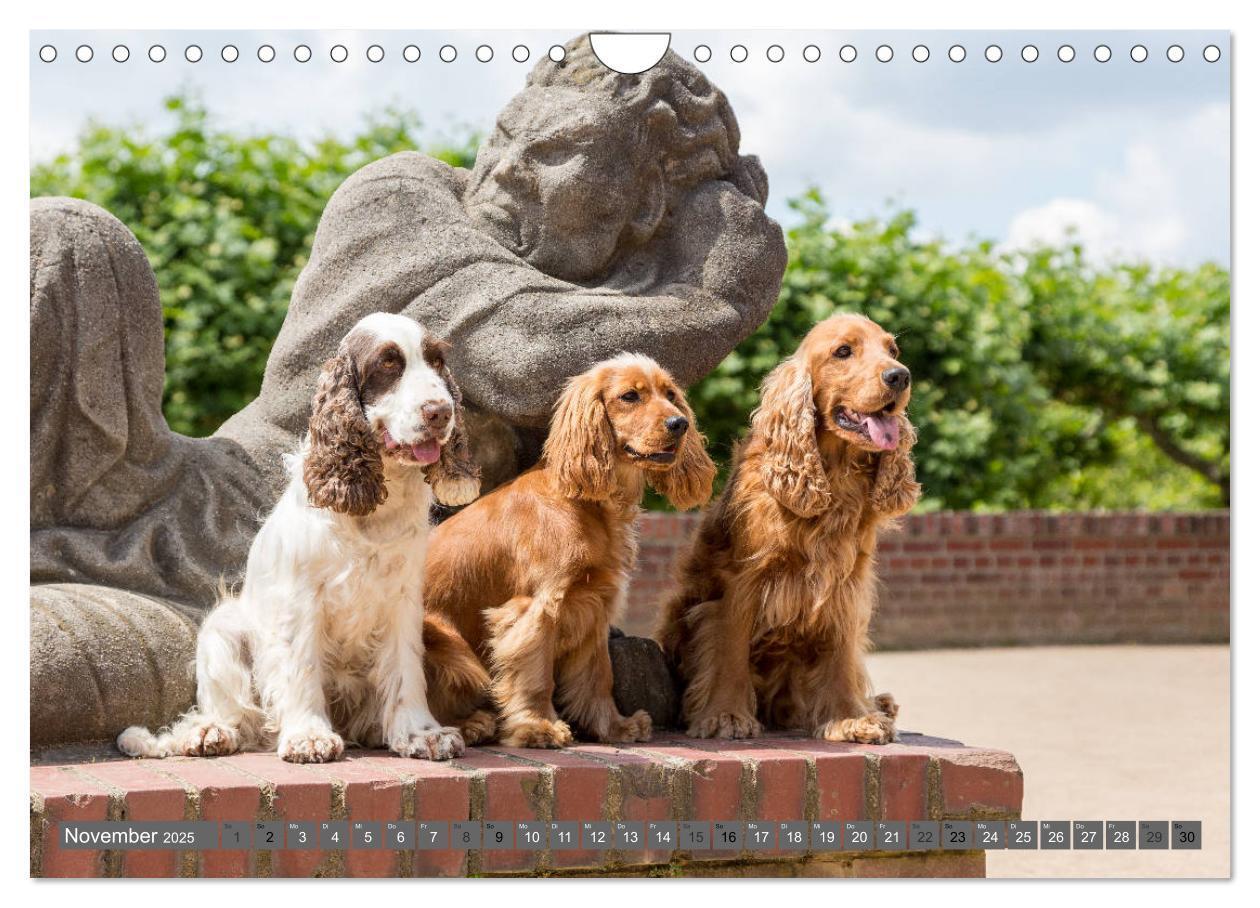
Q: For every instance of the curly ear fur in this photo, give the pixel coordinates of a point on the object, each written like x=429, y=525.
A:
x=579, y=450
x=689, y=481
x=455, y=476
x=343, y=469
x=792, y=467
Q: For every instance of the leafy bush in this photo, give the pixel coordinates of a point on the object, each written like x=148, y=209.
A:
x=1040, y=380
x=227, y=222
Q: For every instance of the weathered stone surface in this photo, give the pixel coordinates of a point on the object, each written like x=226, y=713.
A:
x=642, y=680
x=604, y=213
x=103, y=659
x=117, y=498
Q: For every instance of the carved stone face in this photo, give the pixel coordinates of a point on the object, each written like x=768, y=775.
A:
x=558, y=181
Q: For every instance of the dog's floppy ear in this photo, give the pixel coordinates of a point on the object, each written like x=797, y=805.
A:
x=689, y=482
x=579, y=450
x=343, y=469
x=792, y=467
x=455, y=476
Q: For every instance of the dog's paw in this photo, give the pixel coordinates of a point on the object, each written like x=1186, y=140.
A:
x=479, y=728
x=311, y=747
x=537, y=733
x=430, y=744
x=456, y=491
x=885, y=704
x=873, y=728
x=210, y=739
x=628, y=729
x=725, y=725
x=138, y=741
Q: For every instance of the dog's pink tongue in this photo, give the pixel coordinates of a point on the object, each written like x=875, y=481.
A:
x=426, y=451
x=884, y=430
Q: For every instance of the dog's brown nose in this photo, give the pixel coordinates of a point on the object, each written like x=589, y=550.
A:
x=436, y=415
x=897, y=378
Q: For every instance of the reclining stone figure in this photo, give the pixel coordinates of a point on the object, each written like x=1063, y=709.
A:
x=605, y=212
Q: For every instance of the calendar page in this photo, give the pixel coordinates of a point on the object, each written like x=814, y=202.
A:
x=707, y=452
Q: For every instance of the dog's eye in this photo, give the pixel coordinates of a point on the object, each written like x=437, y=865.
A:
x=438, y=363
x=631, y=397
x=391, y=361
x=671, y=396
x=894, y=350
x=844, y=351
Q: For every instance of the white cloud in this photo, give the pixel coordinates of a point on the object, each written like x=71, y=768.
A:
x=1165, y=202
x=1136, y=158
x=1061, y=220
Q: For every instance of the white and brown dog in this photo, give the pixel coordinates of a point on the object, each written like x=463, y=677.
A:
x=325, y=642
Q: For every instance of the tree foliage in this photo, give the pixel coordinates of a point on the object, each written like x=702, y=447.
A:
x=227, y=222
x=1041, y=380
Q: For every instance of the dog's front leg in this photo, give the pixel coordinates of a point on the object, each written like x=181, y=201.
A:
x=585, y=686
x=291, y=673
x=409, y=726
x=522, y=646
x=720, y=700
x=837, y=691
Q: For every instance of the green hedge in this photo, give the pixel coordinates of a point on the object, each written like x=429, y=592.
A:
x=1040, y=380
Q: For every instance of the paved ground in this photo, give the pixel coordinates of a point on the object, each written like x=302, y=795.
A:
x=1106, y=732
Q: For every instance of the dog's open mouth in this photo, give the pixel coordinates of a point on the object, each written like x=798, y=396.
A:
x=882, y=427
x=665, y=455
x=423, y=452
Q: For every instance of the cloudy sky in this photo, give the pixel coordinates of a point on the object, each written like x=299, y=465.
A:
x=1134, y=157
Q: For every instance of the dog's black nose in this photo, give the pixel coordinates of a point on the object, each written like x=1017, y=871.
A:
x=677, y=425
x=436, y=415
x=898, y=378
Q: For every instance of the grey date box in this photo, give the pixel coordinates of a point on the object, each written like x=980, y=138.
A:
x=566, y=835
x=859, y=835
x=1021, y=835
x=365, y=834
x=597, y=836
x=1056, y=835
x=1152, y=834
x=662, y=834
x=1187, y=835
x=759, y=835
x=531, y=835
x=629, y=835
x=694, y=836
x=924, y=835
x=958, y=835
x=301, y=836
x=728, y=835
x=1087, y=835
x=990, y=834
x=890, y=835
x=334, y=835
x=399, y=835
x=1121, y=835
x=496, y=835
x=826, y=836
x=794, y=836
x=465, y=835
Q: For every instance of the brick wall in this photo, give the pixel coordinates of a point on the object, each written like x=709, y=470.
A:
x=1020, y=578
x=776, y=778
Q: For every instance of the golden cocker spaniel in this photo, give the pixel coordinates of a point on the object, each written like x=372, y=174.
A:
x=769, y=625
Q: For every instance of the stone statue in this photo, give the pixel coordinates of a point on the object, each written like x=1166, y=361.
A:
x=605, y=212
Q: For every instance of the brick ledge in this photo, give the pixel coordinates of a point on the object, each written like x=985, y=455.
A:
x=777, y=777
